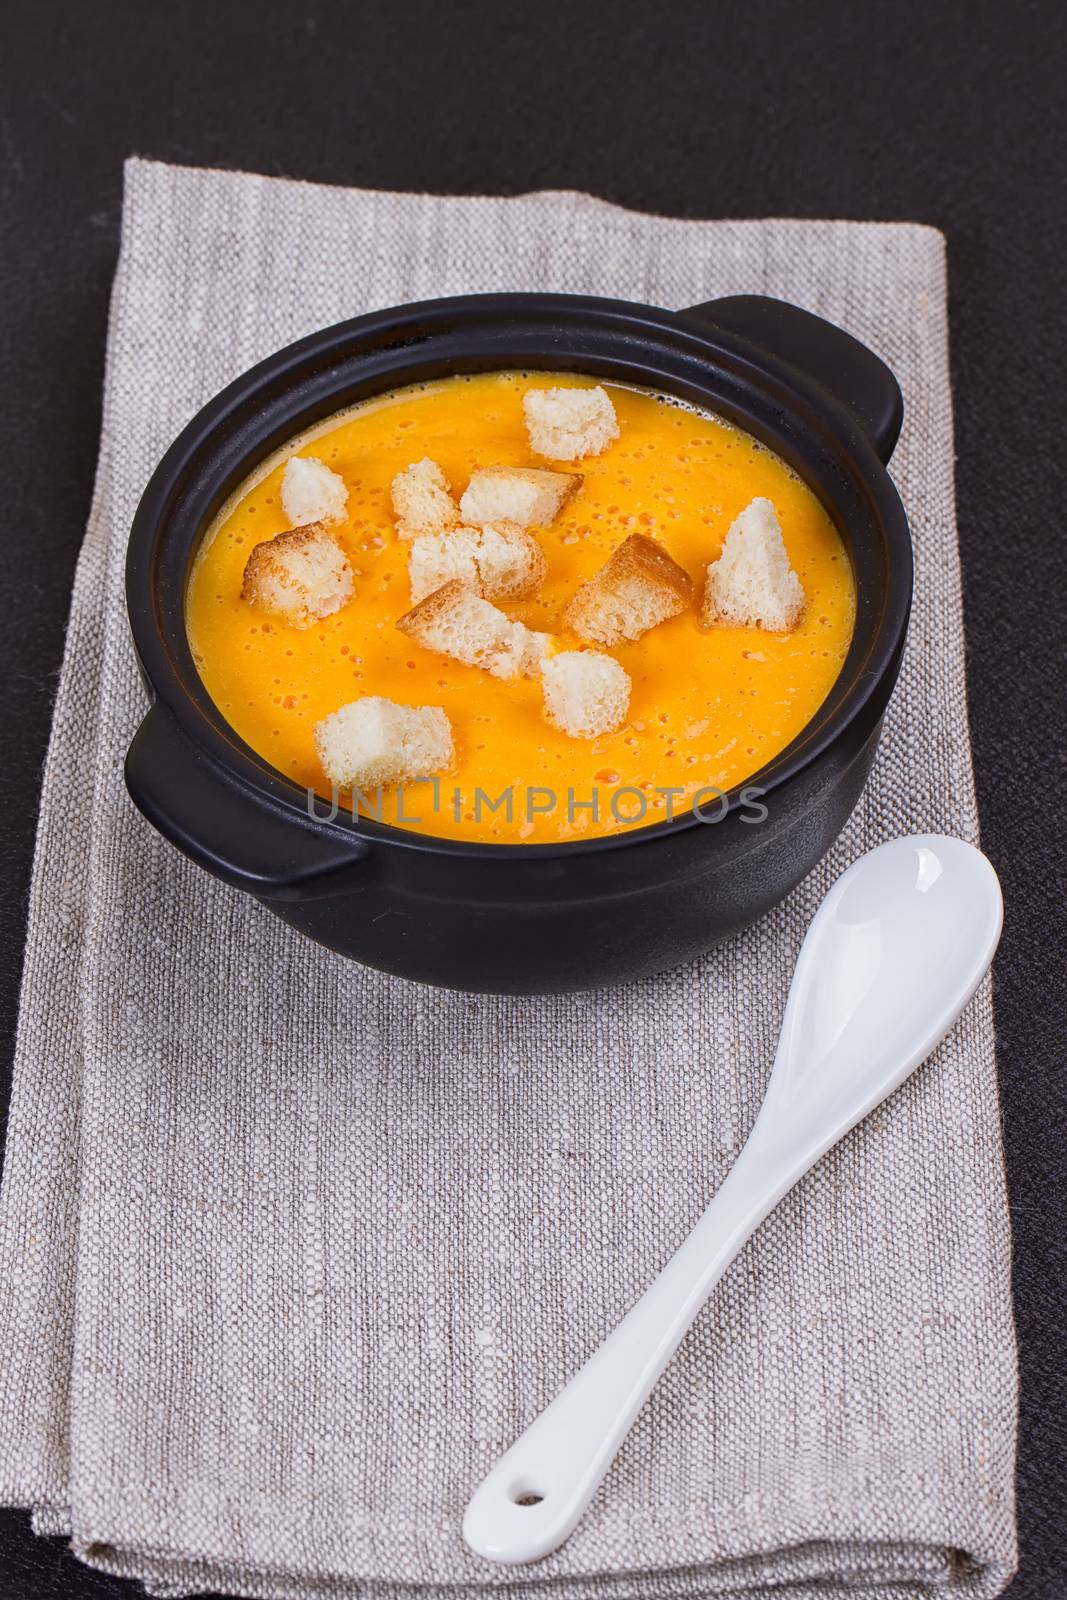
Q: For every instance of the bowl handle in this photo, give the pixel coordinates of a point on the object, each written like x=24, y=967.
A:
x=854, y=375
x=249, y=844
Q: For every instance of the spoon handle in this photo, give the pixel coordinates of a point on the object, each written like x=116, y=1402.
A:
x=534, y=1495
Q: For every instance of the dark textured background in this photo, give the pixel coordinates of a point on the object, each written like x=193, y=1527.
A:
x=948, y=114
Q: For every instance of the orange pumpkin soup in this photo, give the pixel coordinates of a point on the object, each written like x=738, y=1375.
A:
x=708, y=707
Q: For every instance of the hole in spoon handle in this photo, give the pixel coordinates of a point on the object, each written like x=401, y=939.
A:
x=520, y=1513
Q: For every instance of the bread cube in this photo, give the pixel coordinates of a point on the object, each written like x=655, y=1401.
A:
x=564, y=424
x=526, y=495
x=373, y=741
x=455, y=621
x=639, y=586
x=752, y=584
x=586, y=693
x=423, y=500
x=301, y=576
x=500, y=561
x=537, y=648
x=312, y=492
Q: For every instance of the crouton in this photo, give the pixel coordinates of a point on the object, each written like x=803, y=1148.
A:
x=564, y=424
x=586, y=693
x=525, y=495
x=455, y=621
x=500, y=561
x=638, y=587
x=302, y=575
x=752, y=583
x=373, y=741
x=312, y=492
x=422, y=500
x=537, y=648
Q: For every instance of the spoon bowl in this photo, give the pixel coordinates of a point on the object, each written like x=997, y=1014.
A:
x=893, y=954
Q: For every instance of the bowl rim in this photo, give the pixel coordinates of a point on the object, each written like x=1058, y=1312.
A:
x=164, y=653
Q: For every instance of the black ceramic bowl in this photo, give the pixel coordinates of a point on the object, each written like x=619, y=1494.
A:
x=526, y=918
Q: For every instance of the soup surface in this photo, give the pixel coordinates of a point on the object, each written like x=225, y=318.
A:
x=708, y=707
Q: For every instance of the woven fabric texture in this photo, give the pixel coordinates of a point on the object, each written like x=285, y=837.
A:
x=290, y=1251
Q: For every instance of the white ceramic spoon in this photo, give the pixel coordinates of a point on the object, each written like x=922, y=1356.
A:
x=893, y=955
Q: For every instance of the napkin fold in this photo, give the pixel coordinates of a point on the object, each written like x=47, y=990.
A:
x=290, y=1251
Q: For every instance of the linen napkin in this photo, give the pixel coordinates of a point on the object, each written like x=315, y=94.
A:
x=290, y=1251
